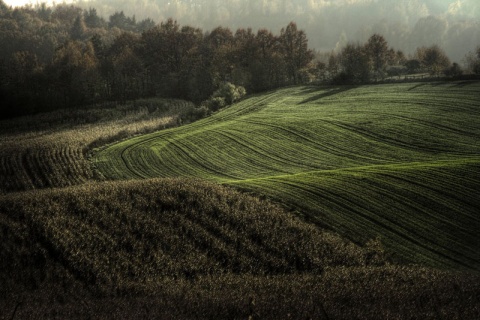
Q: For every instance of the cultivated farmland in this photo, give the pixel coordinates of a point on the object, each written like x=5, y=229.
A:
x=51, y=149
x=192, y=233
x=187, y=249
x=395, y=162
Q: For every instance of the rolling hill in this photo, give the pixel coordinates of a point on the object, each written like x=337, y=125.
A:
x=394, y=162
x=188, y=249
x=50, y=150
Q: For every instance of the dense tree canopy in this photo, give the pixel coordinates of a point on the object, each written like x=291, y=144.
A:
x=64, y=56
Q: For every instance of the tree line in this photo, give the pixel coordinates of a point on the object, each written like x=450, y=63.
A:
x=66, y=57
x=375, y=61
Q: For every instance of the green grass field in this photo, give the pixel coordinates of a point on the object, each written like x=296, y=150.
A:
x=397, y=162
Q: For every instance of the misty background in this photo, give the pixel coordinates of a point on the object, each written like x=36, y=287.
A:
x=454, y=25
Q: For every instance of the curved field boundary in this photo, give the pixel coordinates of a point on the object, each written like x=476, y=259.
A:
x=391, y=161
x=36, y=155
x=424, y=212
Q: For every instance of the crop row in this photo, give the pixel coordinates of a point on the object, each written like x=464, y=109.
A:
x=341, y=293
x=33, y=165
x=51, y=150
x=274, y=133
x=134, y=234
x=424, y=212
x=293, y=144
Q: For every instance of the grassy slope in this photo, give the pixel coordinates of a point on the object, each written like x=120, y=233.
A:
x=399, y=162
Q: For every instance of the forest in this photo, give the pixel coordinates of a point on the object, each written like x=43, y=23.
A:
x=66, y=57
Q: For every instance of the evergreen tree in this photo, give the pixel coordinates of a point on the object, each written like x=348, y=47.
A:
x=92, y=20
x=78, y=29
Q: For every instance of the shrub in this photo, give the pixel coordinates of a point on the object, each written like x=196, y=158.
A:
x=216, y=103
x=225, y=95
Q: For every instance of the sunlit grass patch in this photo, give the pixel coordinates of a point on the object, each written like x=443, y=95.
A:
x=397, y=161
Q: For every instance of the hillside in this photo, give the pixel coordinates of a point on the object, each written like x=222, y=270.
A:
x=396, y=162
x=131, y=236
x=183, y=249
x=50, y=150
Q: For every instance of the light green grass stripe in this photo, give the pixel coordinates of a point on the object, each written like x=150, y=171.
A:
x=425, y=212
x=397, y=161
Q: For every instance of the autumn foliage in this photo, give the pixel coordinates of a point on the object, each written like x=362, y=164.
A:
x=65, y=57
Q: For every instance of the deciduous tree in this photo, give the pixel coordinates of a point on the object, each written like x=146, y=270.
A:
x=356, y=63
x=472, y=61
x=73, y=68
x=333, y=65
x=378, y=52
x=433, y=59
x=454, y=70
x=268, y=70
x=294, y=44
x=413, y=66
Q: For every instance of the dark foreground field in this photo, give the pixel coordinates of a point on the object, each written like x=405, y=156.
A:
x=188, y=249
x=372, y=214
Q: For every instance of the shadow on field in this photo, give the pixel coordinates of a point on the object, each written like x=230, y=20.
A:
x=417, y=86
x=455, y=83
x=465, y=83
x=328, y=94
x=430, y=84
